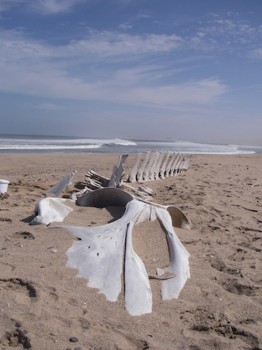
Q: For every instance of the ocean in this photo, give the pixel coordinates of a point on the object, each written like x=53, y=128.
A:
x=53, y=144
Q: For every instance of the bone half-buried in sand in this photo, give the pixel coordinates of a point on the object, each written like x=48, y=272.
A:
x=100, y=252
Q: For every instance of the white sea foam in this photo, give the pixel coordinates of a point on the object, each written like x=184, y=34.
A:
x=120, y=142
x=48, y=147
x=31, y=143
x=198, y=148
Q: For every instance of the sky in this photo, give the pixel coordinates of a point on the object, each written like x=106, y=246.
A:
x=135, y=69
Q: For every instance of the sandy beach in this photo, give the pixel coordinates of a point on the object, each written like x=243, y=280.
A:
x=45, y=306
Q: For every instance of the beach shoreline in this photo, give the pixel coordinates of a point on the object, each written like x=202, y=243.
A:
x=44, y=304
x=26, y=144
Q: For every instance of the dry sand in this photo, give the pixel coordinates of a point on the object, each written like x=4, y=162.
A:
x=43, y=303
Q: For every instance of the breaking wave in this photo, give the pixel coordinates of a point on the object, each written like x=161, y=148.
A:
x=67, y=144
x=16, y=143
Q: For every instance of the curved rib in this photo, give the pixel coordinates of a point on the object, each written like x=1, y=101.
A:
x=179, y=264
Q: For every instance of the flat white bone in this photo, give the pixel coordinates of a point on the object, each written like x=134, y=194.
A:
x=138, y=294
x=49, y=210
x=99, y=254
x=59, y=187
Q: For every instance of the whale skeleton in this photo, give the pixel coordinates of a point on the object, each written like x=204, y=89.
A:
x=155, y=165
x=104, y=254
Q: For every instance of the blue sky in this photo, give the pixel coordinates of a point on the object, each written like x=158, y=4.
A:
x=154, y=69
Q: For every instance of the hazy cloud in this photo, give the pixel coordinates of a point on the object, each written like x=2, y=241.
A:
x=173, y=72
x=54, y=6
x=47, y=81
x=15, y=47
x=114, y=44
x=125, y=26
x=41, y=6
x=32, y=67
x=256, y=54
x=225, y=34
x=6, y=5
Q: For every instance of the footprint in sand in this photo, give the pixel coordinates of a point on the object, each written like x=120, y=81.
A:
x=241, y=255
x=233, y=286
x=250, y=246
x=206, y=322
x=18, y=285
x=14, y=336
x=219, y=265
x=15, y=339
x=20, y=235
x=5, y=220
x=232, y=331
x=115, y=338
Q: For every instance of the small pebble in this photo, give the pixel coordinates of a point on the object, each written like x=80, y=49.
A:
x=53, y=250
x=73, y=339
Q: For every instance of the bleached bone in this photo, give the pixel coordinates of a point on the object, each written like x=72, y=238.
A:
x=182, y=166
x=152, y=166
x=178, y=165
x=145, y=175
x=185, y=164
x=99, y=252
x=175, y=164
x=118, y=170
x=59, y=187
x=152, y=170
x=96, y=180
x=146, y=189
x=132, y=177
x=158, y=165
x=164, y=165
x=178, y=218
x=170, y=163
x=49, y=209
x=146, y=172
x=138, y=294
x=75, y=195
x=178, y=255
x=141, y=192
x=143, y=166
